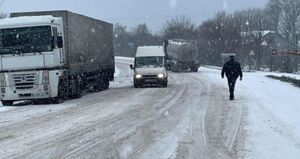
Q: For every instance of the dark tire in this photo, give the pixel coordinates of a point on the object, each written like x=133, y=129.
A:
x=79, y=91
x=99, y=85
x=62, y=94
x=194, y=68
x=56, y=100
x=7, y=103
x=106, y=84
x=165, y=84
x=78, y=94
x=174, y=67
x=136, y=85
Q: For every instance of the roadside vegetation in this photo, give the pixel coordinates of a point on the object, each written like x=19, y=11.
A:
x=293, y=81
x=239, y=32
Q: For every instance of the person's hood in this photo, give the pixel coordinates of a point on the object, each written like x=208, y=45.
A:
x=150, y=71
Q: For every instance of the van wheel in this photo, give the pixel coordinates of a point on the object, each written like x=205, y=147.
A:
x=136, y=85
x=7, y=103
x=165, y=84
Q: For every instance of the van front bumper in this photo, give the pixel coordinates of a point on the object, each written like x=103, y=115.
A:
x=159, y=81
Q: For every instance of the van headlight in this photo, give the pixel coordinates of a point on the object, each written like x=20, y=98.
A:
x=138, y=76
x=160, y=75
x=2, y=80
x=45, y=77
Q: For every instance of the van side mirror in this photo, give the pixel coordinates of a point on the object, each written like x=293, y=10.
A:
x=131, y=66
x=60, y=42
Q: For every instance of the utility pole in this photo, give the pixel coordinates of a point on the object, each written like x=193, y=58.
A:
x=264, y=44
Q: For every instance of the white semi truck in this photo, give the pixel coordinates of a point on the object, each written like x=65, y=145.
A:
x=53, y=55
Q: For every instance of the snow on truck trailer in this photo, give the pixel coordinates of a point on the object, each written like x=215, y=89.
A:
x=53, y=55
x=182, y=55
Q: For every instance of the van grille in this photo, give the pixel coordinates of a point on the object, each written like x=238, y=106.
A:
x=24, y=81
x=149, y=76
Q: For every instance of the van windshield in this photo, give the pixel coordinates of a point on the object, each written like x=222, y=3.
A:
x=152, y=62
x=25, y=40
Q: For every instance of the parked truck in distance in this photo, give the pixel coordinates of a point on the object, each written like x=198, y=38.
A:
x=182, y=55
x=53, y=55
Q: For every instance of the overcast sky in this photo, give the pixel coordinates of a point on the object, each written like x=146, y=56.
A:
x=131, y=12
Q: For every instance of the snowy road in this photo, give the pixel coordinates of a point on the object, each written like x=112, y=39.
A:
x=192, y=118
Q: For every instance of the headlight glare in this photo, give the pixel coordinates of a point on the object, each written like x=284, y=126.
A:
x=138, y=76
x=160, y=75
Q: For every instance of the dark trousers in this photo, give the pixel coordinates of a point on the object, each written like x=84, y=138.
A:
x=231, y=85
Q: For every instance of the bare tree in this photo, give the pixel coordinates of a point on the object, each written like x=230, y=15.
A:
x=272, y=12
x=122, y=41
x=290, y=10
x=180, y=28
x=126, y=42
x=2, y=15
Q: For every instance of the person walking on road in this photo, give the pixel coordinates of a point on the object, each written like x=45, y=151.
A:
x=232, y=70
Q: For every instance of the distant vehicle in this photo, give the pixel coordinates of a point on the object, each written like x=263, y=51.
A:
x=182, y=55
x=53, y=55
x=149, y=66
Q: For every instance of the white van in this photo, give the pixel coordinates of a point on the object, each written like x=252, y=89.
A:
x=149, y=66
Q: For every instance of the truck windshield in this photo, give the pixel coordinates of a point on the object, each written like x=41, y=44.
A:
x=25, y=40
x=153, y=62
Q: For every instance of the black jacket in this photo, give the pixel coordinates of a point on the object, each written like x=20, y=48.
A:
x=232, y=69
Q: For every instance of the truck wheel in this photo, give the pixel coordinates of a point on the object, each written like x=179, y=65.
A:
x=79, y=91
x=7, y=103
x=194, y=69
x=99, y=86
x=56, y=100
x=106, y=84
x=174, y=67
x=61, y=94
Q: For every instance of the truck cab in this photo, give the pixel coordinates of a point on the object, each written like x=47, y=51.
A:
x=150, y=67
x=31, y=55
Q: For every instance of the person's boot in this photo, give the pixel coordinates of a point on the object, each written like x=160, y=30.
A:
x=231, y=95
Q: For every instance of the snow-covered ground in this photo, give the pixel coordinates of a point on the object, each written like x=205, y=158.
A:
x=192, y=118
x=273, y=120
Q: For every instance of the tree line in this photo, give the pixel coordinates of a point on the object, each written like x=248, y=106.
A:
x=240, y=32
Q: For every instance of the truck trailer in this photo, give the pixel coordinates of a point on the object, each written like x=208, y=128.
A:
x=54, y=55
x=182, y=55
